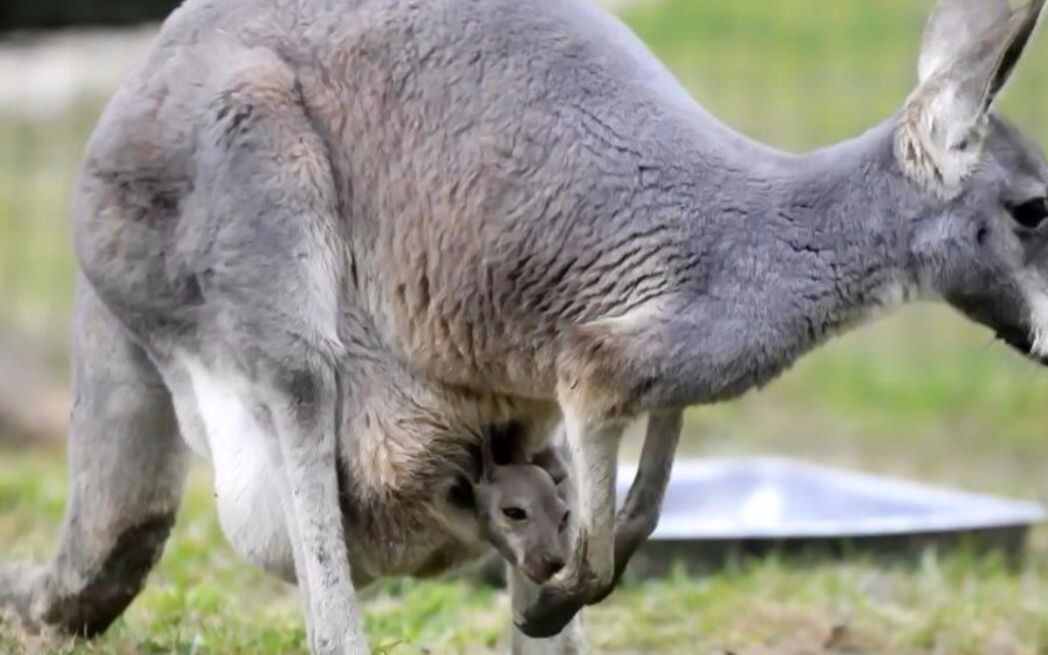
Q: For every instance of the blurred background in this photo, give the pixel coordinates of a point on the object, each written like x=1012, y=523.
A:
x=920, y=394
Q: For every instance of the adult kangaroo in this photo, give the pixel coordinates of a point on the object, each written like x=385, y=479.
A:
x=518, y=202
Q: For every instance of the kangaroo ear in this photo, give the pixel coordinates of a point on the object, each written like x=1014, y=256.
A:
x=969, y=51
x=952, y=28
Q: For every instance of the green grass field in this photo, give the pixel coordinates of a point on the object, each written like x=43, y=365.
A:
x=203, y=600
x=920, y=394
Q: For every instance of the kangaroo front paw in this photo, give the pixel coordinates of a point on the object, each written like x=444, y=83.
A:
x=551, y=613
x=630, y=535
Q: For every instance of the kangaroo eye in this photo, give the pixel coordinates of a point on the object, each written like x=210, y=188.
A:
x=515, y=514
x=1031, y=213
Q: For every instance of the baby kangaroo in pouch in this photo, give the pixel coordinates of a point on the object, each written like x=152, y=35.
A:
x=523, y=511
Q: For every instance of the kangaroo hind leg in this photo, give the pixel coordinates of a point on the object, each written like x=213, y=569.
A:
x=277, y=276
x=127, y=466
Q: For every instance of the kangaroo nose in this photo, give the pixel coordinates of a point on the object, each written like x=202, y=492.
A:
x=554, y=564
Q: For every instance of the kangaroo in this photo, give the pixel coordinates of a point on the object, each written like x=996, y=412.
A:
x=522, y=511
x=530, y=214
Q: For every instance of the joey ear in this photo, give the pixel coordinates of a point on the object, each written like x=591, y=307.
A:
x=969, y=52
x=487, y=458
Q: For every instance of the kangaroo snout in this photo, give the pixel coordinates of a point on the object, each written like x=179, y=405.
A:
x=540, y=567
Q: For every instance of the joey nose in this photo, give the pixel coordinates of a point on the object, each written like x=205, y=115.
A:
x=554, y=565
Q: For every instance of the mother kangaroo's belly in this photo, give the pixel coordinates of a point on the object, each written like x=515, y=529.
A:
x=223, y=422
x=243, y=455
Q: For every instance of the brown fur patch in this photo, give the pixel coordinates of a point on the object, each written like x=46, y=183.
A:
x=112, y=587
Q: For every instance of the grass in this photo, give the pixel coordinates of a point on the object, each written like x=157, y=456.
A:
x=922, y=394
x=203, y=600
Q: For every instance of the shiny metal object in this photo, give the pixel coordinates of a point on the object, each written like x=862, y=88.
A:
x=720, y=508
x=770, y=498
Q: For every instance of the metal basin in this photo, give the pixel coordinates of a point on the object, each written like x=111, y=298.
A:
x=717, y=508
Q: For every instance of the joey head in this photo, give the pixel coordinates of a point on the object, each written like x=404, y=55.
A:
x=522, y=511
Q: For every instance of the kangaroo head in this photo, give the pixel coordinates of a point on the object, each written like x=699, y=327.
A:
x=521, y=512
x=981, y=241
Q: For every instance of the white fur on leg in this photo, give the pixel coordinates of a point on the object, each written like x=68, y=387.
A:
x=594, y=452
x=310, y=500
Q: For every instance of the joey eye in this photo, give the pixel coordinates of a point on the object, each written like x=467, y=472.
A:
x=981, y=234
x=1031, y=213
x=514, y=514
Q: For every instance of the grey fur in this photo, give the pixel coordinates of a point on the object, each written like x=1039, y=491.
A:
x=367, y=230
